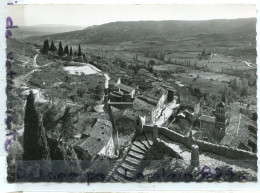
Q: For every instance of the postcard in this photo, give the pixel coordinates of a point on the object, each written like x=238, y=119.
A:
x=131, y=93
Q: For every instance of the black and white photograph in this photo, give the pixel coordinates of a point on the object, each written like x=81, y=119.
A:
x=131, y=93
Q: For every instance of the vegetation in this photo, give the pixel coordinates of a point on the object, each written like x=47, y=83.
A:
x=35, y=143
x=46, y=47
x=66, y=50
x=60, y=50
x=79, y=51
x=53, y=47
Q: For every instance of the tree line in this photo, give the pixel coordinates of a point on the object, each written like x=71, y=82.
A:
x=67, y=50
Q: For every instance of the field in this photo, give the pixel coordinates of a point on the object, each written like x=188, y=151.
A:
x=203, y=83
x=168, y=67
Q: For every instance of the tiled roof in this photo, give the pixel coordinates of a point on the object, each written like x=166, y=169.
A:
x=237, y=131
x=99, y=136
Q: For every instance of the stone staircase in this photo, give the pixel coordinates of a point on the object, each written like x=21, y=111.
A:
x=129, y=167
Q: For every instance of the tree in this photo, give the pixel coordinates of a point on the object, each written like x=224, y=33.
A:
x=234, y=86
x=81, y=91
x=66, y=124
x=60, y=50
x=45, y=48
x=71, y=52
x=79, y=51
x=50, y=118
x=150, y=68
x=66, y=50
x=151, y=62
x=35, y=143
x=53, y=47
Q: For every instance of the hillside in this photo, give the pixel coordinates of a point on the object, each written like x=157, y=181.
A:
x=19, y=47
x=237, y=29
x=39, y=30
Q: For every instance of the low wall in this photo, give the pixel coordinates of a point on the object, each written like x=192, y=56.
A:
x=222, y=150
x=225, y=151
x=174, y=136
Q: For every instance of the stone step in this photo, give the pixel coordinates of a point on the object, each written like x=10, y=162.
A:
x=132, y=160
x=125, y=172
x=119, y=178
x=137, y=149
x=113, y=179
x=149, y=138
x=136, y=155
x=143, y=140
x=140, y=145
x=129, y=167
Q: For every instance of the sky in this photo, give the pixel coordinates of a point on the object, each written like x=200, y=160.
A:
x=88, y=15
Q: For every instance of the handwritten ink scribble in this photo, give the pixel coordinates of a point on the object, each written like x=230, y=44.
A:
x=9, y=77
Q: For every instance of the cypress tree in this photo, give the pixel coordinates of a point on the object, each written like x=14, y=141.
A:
x=79, y=51
x=35, y=144
x=30, y=130
x=60, y=50
x=53, y=47
x=71, y=51
x=66, y=50
x=47, y=44
x=45, y=48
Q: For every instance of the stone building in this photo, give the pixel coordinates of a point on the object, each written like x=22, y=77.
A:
x=94, y=139
x=221, y=120
x=214, y=127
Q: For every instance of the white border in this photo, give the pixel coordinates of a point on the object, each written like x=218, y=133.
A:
x=101, y=187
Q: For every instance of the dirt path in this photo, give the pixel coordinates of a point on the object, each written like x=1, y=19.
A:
x=18, y=81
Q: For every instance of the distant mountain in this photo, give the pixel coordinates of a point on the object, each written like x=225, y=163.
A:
x=156, y=30
x=40, y=30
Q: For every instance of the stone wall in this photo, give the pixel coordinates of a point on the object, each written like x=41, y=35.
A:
x=222, y=150
x=225, y=151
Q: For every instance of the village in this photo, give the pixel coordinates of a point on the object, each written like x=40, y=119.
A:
x=130, y=114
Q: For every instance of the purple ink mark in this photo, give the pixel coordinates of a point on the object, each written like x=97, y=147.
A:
x=242, y=177
x=9, y=23
x=14, y=134
x=11, y=74
x=8, y=64
x=8, y=33
x=206, y=172
x=8, y=89
x=11, y=3
x=218, y=172
x=7, y=142
x=230, y=173
x=9, y=56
